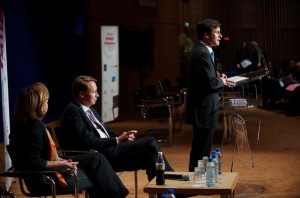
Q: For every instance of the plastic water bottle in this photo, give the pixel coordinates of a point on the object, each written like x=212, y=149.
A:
x=210, y=172
x=216, y=166
x=160, y=169
x=219, y=158
x=170, y=193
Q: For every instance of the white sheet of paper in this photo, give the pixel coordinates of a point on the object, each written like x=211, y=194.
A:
x=235, y=79
x=246, y=63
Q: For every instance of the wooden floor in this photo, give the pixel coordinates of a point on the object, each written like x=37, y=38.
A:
x=276, y=154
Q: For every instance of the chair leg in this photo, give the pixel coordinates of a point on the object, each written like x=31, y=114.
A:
x=136, y=184
x=5, y=193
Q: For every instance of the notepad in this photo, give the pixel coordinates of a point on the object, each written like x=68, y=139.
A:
x=236, y=79
x=245, y=63
x=238, y=102
x=292, y=87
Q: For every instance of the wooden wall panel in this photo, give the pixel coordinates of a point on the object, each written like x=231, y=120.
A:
x=274, y=24
x=164, y=18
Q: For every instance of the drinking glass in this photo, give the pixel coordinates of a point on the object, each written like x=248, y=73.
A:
x=197, y=175
x=201, y=168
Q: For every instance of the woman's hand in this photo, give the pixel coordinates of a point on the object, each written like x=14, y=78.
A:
x=70, y=164
x=62, y=163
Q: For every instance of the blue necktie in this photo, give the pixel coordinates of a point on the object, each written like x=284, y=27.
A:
x=212, y=56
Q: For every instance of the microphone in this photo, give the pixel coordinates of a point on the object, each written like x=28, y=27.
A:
x=183, y=177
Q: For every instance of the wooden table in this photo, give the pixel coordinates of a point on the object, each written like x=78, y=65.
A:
x=224, y=187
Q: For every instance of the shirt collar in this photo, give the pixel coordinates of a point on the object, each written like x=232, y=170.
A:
x=84, y=108
x=209, y=48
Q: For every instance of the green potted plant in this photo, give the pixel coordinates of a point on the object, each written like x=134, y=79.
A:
x=185, y=47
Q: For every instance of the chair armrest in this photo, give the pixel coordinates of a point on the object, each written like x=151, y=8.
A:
x=43, y=175
x=157, y=102
x=11, y=172
x=69, y=151
x=156, y=108
x=75, y=150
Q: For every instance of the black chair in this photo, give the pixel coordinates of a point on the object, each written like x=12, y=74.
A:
x=7, y=194
x=166, y=89
x=138, y=96
x=159, y=108
x=179, y=98
x=151, y=92
x=54, y=128
x=115, y=105
x=165, y=84
x=39, y=176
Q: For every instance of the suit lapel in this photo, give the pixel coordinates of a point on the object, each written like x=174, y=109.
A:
x=87, y=120
x=211, y=61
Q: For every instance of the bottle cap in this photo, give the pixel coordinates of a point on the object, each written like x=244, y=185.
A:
x=213, y=153
x=210, y=159
x=214, y=156
x=170, y=191
x=218, y=149
x=163, y=196
x=160, y=153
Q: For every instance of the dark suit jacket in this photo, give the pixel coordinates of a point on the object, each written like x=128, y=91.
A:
x=79, y=132
x=202, y=109
x=29, y=145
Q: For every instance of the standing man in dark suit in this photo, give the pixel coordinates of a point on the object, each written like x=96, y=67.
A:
x=202, y=110
x=82, y=128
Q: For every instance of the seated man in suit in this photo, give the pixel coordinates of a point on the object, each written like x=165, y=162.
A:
x=82, y=128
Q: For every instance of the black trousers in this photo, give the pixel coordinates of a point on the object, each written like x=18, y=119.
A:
x=94, y=174
x=136, y=155
x=201, y=145
x=98, y=170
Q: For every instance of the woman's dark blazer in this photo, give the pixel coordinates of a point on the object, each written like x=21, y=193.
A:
x=29, y=145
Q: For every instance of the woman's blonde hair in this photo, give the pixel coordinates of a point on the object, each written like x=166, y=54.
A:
x=29, y=102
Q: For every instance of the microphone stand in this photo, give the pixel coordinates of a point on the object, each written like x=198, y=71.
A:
x=266, y=68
